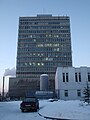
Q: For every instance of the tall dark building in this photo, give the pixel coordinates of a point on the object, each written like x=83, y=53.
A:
x=44, y=43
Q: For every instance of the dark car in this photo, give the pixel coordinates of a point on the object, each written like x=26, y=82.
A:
x=31, y=103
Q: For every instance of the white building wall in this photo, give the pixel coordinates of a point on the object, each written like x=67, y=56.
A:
x=72, y=86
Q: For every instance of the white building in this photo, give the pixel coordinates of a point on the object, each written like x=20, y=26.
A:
x=70, y=82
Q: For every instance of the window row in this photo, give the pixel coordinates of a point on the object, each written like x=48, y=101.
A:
x=77, y=77
x=43, y=23
x=32, y=40
x=44, y=27
x=44, y=31
x=26, y=45
x=45, y=18
x=43, y=35
x=45, y=59
x=78, y=92
x=43, y=49
x=22, y=54
x=33, y=69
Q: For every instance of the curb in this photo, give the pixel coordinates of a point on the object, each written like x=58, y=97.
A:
x=52, y=118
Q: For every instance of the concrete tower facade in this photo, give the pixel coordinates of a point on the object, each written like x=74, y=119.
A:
x=44, y=43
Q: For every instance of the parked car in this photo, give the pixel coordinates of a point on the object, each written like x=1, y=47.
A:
x=31, y=103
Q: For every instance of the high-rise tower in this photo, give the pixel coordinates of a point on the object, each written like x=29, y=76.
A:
x=44, y=43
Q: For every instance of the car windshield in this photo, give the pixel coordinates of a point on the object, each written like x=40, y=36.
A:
x=29, y=100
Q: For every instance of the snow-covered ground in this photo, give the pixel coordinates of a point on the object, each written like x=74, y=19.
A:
x=11, y=111
x=74, y=110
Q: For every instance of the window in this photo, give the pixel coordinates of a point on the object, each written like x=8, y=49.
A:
x=66, y=93
x=89, y=77
x=76, y=78
x=63, y=77
x=78, y=93
x=66, y=77
x=79, y=77
x=38, y=64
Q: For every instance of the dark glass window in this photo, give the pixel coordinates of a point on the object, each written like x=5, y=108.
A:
x=63, y=77
x=66, y=77
x=79, y=77
x=66, y=93
x=76, y=78
x=89, y=77
x=78, y=93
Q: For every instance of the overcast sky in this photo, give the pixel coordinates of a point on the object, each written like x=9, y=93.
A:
x=10, y=10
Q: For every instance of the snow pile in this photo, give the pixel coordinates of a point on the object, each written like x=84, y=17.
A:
x=66, y=109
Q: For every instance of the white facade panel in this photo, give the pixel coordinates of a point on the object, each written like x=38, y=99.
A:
x=70, y=82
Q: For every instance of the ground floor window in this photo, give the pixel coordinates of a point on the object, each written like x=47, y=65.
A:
x=78, y=93
x=66, y=93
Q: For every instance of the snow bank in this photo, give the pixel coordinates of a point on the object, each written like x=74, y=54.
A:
x=66, y=109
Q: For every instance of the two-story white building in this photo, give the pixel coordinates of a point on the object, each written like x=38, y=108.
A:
x=70, y=82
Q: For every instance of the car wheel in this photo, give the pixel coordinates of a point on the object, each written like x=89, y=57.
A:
x=37, y=107
x=36, y=110
x=22, y=110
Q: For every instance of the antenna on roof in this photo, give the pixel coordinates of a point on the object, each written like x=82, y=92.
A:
x=43, y=10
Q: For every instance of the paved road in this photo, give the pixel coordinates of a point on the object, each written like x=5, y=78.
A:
x=11, y=111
